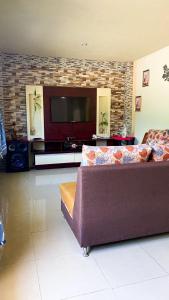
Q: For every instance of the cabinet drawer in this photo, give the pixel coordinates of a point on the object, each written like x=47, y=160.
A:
x=47, y=159
x=78, y=157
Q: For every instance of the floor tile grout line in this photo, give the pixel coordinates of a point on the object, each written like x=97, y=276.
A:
x=86, y=294
x=36, y=266
x=162, y=268
x=33, y=248
x=80, y=294
x=102, y=272
x=139, y=282
x=133, y=283
x=60, y=256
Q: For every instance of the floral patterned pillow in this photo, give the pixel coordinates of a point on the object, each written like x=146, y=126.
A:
x=156, y=136
x=160, y=152
x=105, y=155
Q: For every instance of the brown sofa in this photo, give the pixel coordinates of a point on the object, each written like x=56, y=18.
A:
x=117, y=202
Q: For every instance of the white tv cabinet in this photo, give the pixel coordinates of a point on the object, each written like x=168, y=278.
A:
x=52, y=154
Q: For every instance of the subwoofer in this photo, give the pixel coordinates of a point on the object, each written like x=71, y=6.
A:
x=17, y=159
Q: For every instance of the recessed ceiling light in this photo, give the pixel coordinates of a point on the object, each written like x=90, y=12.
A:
x=84, y=44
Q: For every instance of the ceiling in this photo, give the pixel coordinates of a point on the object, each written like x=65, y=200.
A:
x=122, y=30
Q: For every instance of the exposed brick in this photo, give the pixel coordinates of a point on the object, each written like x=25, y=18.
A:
x=17, y=71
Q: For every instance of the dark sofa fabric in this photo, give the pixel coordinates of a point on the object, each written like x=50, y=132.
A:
x=115, y=203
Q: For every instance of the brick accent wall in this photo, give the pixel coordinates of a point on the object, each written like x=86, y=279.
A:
x=1, y=86
x=2, y=161
x=17, y=71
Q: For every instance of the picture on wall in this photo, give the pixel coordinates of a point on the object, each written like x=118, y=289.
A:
x=146, y=78
x=138, y=101
x=166, y=73
x=34, y=107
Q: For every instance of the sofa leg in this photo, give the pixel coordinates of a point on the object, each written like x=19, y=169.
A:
x=86, y=251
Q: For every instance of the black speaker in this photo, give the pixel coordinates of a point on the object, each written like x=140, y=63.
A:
x=17, y=159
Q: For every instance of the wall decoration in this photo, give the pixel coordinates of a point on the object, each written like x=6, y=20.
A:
x=103, y=124
x=166, y=73
x=138, y=101
x=35, y=115
x=103, y=112
x=146, y=78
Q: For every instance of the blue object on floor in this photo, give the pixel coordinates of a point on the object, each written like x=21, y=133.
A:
x=2, y=235
x=3, y=147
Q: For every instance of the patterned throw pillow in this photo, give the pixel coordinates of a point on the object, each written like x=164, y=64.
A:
x=160, y=152
x=99, y=155
x=156, y=136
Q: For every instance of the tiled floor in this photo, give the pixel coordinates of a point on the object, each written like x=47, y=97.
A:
x=43, y=261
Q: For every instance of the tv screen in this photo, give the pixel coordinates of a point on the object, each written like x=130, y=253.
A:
x=71, y=109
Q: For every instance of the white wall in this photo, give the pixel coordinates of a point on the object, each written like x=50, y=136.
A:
x=155, y=97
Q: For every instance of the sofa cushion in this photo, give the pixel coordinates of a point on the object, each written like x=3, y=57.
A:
x=67, y=191
x=156, y=136
x=160, y=152
x=104, y=155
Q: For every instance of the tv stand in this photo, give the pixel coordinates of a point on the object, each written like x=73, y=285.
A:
x=58, y=153
x=68, y=152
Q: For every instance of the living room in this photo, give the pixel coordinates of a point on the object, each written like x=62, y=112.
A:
x=118, y=56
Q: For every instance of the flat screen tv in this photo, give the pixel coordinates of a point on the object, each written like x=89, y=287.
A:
x=71, y=109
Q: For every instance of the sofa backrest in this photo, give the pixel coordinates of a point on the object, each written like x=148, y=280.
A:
x=124, y=200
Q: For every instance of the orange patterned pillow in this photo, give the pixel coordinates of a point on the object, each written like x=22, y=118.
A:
x=99, y=155
x=160, y=152
x=156, y=136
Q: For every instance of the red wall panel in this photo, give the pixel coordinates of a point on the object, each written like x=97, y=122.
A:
x=78, y=130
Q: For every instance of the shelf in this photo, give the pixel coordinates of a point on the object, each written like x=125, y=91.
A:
x=57, y=159
x=58, y=153
x=49, y=147
x=55, y=152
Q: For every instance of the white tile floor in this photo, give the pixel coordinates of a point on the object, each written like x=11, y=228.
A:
x=43, y=261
